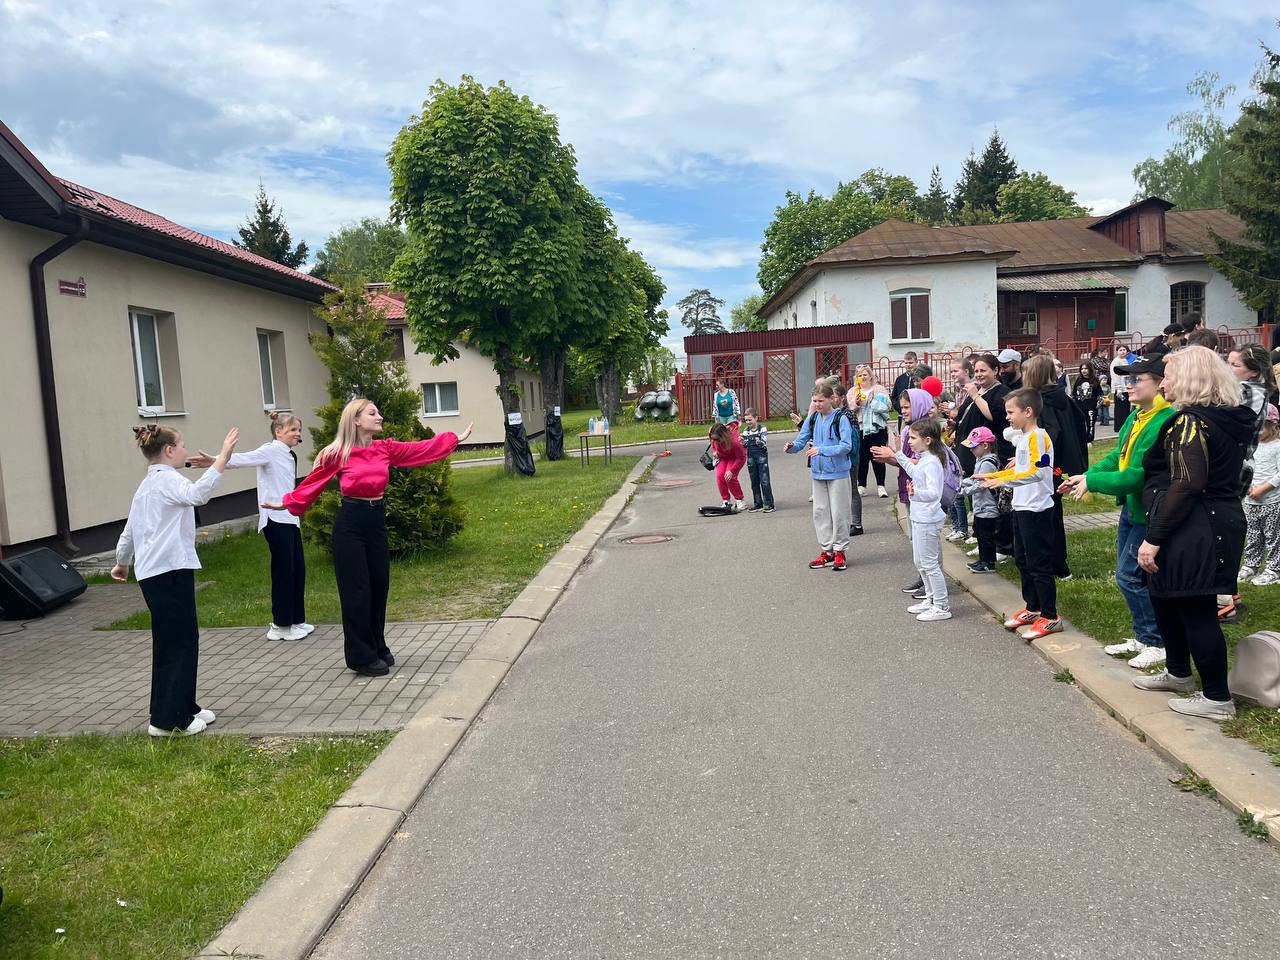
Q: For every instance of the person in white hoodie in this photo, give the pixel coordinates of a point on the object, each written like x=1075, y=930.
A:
x=927, y=473
x=1262, y=508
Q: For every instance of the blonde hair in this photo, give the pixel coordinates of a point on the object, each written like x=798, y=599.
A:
x=282, y=421
x=348, y=434
x=1038, y=371
x=1200, y=377
x=153, y=438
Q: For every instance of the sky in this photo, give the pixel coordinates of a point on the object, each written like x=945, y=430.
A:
x=691, y=120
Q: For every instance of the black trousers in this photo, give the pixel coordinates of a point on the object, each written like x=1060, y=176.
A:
x=1060, y=566
x=1119, y=410
x=288, y=573
x=175, y=647
x=878, y=439
x=1191, y=630
x=362, y=567
x=1033, y=553
x=986, y=529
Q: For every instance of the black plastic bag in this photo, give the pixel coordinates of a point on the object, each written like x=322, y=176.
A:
x=518, y=448
x=554, y=435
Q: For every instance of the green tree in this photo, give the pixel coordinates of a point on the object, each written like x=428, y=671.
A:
x=364, y=250
x=266, y=235
x=1196, y=171
x=1033, y=196
x=744, y=316
x=1252, y=263
x=422, y=512
x=980, y=182
x=492, y=201
x=631, y=331
x=699, y=311
x=657, y=368
x=895, y=195
x=934, y=205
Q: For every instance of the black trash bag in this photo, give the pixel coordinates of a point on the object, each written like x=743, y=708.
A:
x=554, y=435
x=518, y=445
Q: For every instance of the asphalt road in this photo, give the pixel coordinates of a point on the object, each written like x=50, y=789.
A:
x=711, y=751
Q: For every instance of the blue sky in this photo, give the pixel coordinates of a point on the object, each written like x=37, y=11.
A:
x=690, y=119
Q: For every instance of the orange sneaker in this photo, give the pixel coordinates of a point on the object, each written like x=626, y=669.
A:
x=1041, y=628
x=1023, y=618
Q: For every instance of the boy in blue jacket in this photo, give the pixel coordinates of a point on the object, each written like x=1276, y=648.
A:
x=826, y=438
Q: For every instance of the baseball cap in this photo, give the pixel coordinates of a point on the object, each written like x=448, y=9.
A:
x=979, y=435
x=1151, y=365
x=1009, y=355
x=1273, y=415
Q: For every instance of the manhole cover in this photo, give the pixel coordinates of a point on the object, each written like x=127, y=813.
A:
x=642, y=538
x=672, y=483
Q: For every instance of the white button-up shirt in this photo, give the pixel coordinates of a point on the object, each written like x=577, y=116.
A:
x=160, y=534
x=277, y=475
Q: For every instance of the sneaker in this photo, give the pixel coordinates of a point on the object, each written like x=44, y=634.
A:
x=755, y=507
x=1198, y=705
x=1246, y=574
x=1002, y=557
x=195, y=726
x=881, y=492
x=283, y=633
x=933, y=613
x=1229, y=609
x=208, y=716
x=920, y=607
x=1041, y=628
x=971, y=553
x=862, y=491
x=1164, y=680
x=820, y=561
x=855, y=531
x=955, y=535
x=1066, y=578
x=837, y=562
x=739, y=506
x=768, y=509
x=726, y=504
x=915, y=587
x=979, y=567
x=306, y=628
x=970, y=539
x=376, y=668
x=1023, y=618
x=919, y=594
x=1265, y=579
x=1128, y=645
x=1150, y=657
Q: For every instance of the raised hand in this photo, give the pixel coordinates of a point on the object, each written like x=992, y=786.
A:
x=201, y=459
x=229, y=442
x=467, y=432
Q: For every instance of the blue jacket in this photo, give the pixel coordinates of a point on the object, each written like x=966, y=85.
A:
x=832, y=461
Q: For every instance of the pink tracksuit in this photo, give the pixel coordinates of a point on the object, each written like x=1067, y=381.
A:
x=732, y=459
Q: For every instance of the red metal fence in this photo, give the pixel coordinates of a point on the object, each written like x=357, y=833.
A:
x=695, y=392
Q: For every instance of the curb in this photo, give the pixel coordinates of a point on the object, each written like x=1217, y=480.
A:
x=489, y=461
x=287, y=917
x=1245, y=780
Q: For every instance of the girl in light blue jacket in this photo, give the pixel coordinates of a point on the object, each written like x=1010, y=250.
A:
x=826, y=436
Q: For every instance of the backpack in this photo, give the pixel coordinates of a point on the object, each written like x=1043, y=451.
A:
x=952, y=474
x=1255, y=676
x=813, y=418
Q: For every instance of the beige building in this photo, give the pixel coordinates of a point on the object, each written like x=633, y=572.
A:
x=111, y=317
x=460, y=391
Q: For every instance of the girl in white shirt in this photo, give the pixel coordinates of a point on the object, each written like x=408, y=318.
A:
x=927, y=474
x=159, y=540
x=278, y=475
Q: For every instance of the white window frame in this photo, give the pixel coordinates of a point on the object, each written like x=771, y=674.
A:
x=906, y=294
x=435, y=388
x=265, y=338
x=140, y=380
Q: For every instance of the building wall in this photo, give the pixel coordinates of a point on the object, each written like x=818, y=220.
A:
x=211, y=359
x=1149, y=297
x=477, y=394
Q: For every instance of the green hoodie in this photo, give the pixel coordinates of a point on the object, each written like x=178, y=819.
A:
x=1126, y=485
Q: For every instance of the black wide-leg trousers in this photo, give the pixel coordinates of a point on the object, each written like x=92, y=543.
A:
x=288, y=573
x=362, y=567
x=175, y=647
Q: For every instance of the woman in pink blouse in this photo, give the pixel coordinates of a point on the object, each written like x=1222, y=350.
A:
x=360, y=559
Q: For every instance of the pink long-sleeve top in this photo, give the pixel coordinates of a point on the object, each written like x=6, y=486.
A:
x=367, y=470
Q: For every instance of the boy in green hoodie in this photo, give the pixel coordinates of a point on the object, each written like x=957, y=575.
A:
x=1120, y=475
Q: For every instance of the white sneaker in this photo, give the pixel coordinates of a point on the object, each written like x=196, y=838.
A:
x=1002, y=557
x=1164, y=680
x=208, y=716
x=1150, y=657
x=1246, y=573
x=283, y=633
x=971, y=539
x=862, y=491
x=739, y=506
x=955, y=535
x=1265, y=579
x=305, y=628
x=881, y=492
x=1198, y=705
x=972, y=553
x=1128, y=645
x=920, y=607
x=196, y=726
x=934, y=613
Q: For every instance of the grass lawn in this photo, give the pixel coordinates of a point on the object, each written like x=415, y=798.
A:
x=138, y=848
x=514, y=525
x=1092, y=602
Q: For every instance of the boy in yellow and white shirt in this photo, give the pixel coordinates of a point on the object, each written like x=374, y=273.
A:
x=1031, y=478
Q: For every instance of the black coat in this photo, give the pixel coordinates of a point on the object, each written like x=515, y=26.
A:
x=1064, y=423
x=972, y=417
x=1201, y=533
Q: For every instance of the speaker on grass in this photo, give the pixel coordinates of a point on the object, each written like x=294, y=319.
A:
x=35, y=583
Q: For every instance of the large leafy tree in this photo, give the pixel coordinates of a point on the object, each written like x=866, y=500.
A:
x=492, y=201
x=265, y=234
x=933, y=207
x=364, y=250
x=656, y=368
x=700, y=312
x=745, y=315
x=1252, y=263
x=1033, y=196
x=1197, y=169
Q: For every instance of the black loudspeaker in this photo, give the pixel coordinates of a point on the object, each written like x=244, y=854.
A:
x=35, y=583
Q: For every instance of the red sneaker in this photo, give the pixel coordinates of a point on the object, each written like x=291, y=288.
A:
x=838, y=561
x=823, y=559
x=1023, y=618
x=1042, y=628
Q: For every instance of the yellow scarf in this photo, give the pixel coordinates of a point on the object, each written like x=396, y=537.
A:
x=1140, y=420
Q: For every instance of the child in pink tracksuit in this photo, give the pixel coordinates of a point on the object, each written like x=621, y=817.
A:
x=731, y=457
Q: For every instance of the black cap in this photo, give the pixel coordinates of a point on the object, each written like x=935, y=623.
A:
x=1151, y=365
x=1173, y=328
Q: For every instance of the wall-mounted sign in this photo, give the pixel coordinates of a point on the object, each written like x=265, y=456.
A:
x=73, y=288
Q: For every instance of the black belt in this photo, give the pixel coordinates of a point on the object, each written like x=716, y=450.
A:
x=381, y=501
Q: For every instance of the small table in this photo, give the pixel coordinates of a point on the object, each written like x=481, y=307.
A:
x=584, y=447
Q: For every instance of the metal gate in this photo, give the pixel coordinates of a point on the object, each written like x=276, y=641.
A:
x=780, y=383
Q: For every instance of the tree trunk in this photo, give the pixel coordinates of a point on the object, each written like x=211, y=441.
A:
x=599, y=384
x=611, y=391
x=551, y=368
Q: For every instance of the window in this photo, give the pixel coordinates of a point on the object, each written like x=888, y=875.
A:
x=727, y=364
x=1185, y=298
x=155, y=362
x=264, y=368
x=395, y=337
x=440, y=399
x=828, y=361
x=813, y=313
x=272, y=371
x=1122, y=311
x=909, y=315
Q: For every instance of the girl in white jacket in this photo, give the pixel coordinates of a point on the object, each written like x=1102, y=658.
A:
x=927, y=474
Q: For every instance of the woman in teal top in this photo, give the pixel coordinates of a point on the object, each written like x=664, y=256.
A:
x=724, y=404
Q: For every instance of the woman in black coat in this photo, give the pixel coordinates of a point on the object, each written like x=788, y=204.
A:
x=1063, y=422
x=1195, y=526
x=1087, y=395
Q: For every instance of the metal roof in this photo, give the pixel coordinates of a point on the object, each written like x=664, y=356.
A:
x=1069, y=281
x=819, y=336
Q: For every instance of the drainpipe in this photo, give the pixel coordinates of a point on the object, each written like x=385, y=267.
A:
x=48, y=390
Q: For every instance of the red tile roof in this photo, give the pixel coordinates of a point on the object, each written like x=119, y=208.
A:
x=393, y=308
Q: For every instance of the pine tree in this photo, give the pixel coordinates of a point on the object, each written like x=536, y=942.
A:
x=966, y=189
x=932, y=207
x=1252, y=264
x=995, y=169
x=266, y=235
x=700, y=312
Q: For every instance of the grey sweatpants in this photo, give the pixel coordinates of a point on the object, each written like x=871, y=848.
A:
x=832, y=504
x=926, y=553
